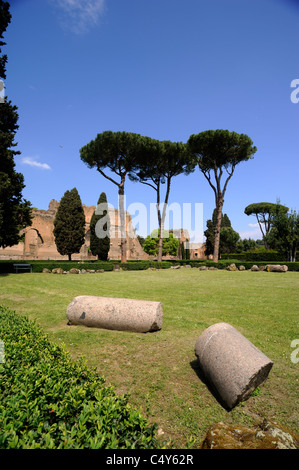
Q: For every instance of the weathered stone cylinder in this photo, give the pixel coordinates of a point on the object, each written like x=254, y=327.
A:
x=140, y=316
x=233, y=366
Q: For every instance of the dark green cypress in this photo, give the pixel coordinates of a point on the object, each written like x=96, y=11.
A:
x=69, y=224
x=183, y=254
x=99, y=246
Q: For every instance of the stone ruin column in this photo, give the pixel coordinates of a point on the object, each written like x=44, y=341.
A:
x=140, y=316
x=233, y=366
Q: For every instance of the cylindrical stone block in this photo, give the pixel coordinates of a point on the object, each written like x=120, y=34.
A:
x=231, y=363
x=140, y=316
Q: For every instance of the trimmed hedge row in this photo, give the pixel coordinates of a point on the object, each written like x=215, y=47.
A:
x=131, y=265
x=261, y=255
x=38, y=265
x=48, y=401
x=141, y=265
x=6, y=266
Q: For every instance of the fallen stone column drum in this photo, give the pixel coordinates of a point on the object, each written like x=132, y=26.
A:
x=231, y=363
x=140, y=316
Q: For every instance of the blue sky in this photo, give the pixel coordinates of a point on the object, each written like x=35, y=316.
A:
x=162, y=68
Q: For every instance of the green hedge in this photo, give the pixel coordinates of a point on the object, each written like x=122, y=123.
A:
x=131, y=265
x=261, y=255
x=39, y=265
x=141, y=265
x=6, y=266
x=48, y=401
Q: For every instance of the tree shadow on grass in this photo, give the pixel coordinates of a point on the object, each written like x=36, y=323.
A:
x=200, y=374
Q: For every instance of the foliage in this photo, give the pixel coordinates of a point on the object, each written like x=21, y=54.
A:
x=158, y=163
x=140, y=239
x=48, y=401
x=15, y=211
x=69, y=224
x=210, y=231
x=6, y=266
x=217, y=152
x=117, y=152
x=169, y=247
x=228, y=240
x=262, y=255
x=142, y=265
x=285, y=233
x=100, y=243
x=264, y=212
x=246, y=244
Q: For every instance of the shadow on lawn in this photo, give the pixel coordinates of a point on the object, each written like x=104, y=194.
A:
x=200, y=374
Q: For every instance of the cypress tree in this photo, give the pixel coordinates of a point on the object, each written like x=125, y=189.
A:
x=69, y=224
x=15, y=212
x=100, y=242
x=183, y=254
x=187, y=250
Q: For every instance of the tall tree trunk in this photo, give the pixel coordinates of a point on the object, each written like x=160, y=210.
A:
x=162, y=220
x=220, y=202
x=264, y=234
x=70, y=256
x=123, y=237
x=160, y=246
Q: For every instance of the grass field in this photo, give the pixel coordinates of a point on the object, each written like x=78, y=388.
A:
x=159, y=370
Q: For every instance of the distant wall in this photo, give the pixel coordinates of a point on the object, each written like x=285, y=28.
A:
x=39, y=241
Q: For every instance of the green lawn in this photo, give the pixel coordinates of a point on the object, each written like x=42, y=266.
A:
x=159, y=369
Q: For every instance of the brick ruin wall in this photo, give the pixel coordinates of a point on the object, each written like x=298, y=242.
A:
x=39, y=242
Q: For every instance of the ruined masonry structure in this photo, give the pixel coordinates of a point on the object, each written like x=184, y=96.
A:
x=39, y=242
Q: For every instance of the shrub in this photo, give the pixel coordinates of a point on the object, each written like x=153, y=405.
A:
x=141, y=265
x=39, y=265
x=49, y=401
x=260, y=255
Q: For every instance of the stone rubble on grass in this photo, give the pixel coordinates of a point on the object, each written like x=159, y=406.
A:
x=276, y=268
x=57, y=271
x=232, y=267
x=254, y=268
x=267, y=435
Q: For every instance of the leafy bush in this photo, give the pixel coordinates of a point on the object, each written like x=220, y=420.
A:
x=48, y=401
x=141, y=265
x=39, y=265
x=260, y=255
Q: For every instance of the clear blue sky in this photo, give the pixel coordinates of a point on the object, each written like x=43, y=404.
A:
x=161, y=68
